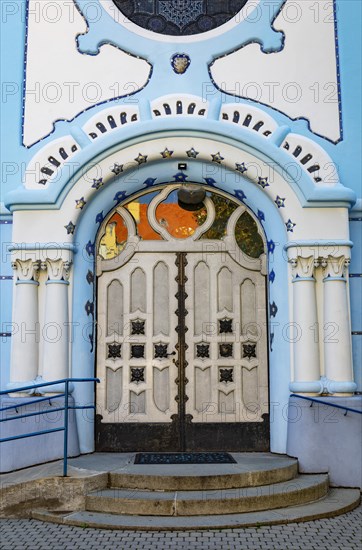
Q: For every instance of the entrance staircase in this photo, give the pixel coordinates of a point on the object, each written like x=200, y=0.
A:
x=259, y=489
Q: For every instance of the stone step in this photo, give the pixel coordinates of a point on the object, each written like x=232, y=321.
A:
x=302, y=489
x=336, y=502
x=250, y=470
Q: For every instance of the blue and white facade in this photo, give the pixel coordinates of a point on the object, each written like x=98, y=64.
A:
x=263, y=108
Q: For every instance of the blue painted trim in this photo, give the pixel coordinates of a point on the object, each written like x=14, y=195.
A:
x=20, y=282
x=355, y=275
x=55, y=282
x=356, y=332
x=331, y=279
x=5, y=334
x=6, y=222
x=6, y=277
x=43, y=246
x=299, y=279
x=308, y=193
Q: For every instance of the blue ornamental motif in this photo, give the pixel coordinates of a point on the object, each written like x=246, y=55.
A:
x=181, y=12
x=180, y=62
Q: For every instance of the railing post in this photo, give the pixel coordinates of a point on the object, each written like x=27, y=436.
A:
x=65, y=458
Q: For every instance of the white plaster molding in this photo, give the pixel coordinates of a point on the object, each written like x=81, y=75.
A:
x=335, y=267
x=248, y=117
x=313, y=159
x=47, y=164
x=26, y=270
x=179, y=105
x=301, y=79
x=303, y=267
x=57, y=270
x=110, y=119
x=61, y=82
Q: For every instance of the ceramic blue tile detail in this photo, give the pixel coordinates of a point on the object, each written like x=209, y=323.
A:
x=272, y=276
x=90, y=277
x=273, y=309
x=89, y=308
x=191, y=153
x=210, y=181
x=90, y=248
x=180, y=177
x=239, y=194
x=271, y=246
x=120, y=196
x=99, y=217
x=261, y=215
x=149, y=182
x=180, y=62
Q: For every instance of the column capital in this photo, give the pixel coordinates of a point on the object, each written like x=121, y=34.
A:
x=57, y=270
x=26, y=270
x=335, y=267
x=303, y=267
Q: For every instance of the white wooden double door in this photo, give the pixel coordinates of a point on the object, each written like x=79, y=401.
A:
x=182, y=349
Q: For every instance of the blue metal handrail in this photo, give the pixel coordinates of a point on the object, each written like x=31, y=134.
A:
x=307, y=398
x=66, y=408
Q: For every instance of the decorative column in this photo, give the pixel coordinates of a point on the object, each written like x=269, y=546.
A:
x=25, y=339
x=337, y=327
x=305, y=345
x=55, y=332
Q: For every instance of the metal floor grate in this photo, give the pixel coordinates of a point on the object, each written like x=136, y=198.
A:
x=184, y=458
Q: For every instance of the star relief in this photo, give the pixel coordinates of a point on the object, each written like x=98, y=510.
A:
x=217, y=158
x=279, y=201
x=70, y=228
x=97, y=183
x=191, y=153
x=240, y=167
x=263, y=182
x=117, y=168
x=166, y=154
x=141, y=159
x=290, y=226
x=80, y=203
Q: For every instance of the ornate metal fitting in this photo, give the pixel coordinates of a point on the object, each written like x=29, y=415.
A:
x=202, y=350
x=225, y=325
x=114, y=351
x=226, y=375
x=137, y=351
x=137, y=375
x=160, y=351
x=137, y=327
x=226, y=350
x=249, y=350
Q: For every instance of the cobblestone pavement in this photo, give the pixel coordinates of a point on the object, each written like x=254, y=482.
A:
x=340, y=533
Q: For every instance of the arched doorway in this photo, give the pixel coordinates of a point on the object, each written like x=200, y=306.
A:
x=182, y=326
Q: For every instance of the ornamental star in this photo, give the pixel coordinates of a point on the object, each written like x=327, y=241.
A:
x=80, y=203
x=261, y=215
x=99, y=217
x=290, y=225
x=141, y=159
x=97, y=183
x=70, y=228
x=217, y=158
x=117, y=168
x=240, y=167
x=279, y=201
x=210, y=181
x=263, y=182
x=239, y=194
x=191, y=153
x=180, y=176
x=166, y=154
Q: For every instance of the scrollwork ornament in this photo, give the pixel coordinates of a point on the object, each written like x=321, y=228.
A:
x=335, y=268
x=26, y=270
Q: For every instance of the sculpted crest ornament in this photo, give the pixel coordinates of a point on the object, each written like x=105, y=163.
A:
x=180, y=62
